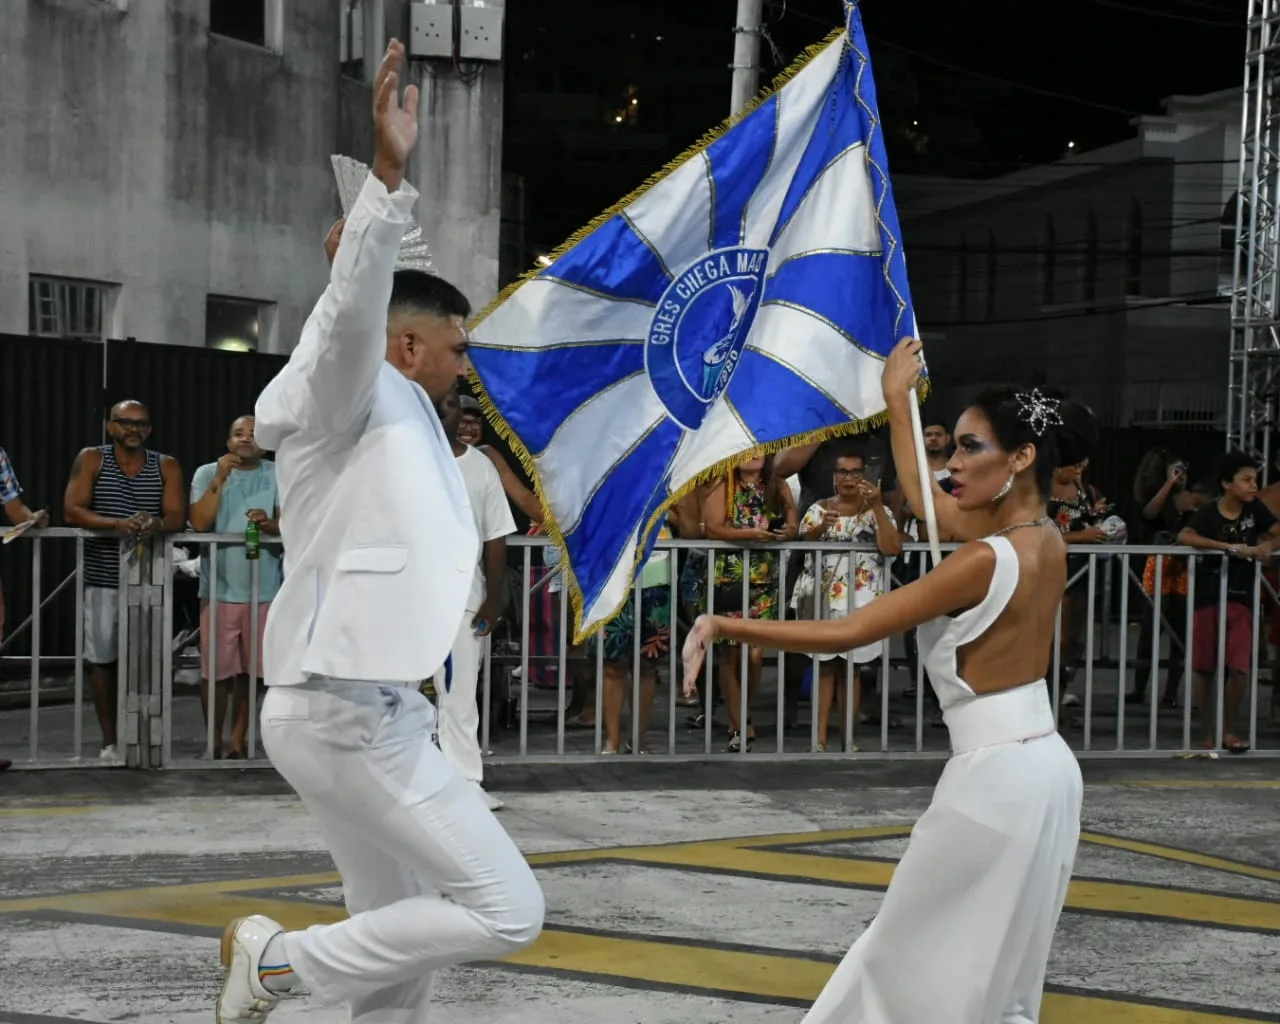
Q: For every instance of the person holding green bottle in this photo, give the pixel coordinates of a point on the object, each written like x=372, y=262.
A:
x=237, y=494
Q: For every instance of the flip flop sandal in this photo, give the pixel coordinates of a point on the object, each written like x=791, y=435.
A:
x=1234, y=745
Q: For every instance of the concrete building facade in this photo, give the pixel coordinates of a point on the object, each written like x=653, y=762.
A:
x=1107, y=273
x=168, y=181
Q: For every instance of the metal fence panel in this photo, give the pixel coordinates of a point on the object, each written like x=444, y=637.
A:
x=1129, y=690
x=50, y=408
x=47, y=715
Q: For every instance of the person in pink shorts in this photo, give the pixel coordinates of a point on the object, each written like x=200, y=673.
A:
x=225, y=496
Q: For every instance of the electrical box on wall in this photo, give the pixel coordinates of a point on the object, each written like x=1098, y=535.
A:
x=481, y=33
x=430, y=30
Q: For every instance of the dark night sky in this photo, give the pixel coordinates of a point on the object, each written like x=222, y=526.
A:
x=974, y=73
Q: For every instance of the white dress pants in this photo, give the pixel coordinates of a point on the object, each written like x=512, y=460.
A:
x=459, y=728
x=429, y=876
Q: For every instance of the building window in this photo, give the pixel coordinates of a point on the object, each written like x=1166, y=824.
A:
x=1133, y=250
x=65, y=308
x=1049, y=264
x=1091, y=258
x=238, y=325
x=351, y=32
x=257, y=22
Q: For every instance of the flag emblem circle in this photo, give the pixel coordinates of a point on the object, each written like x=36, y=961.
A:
x=696, y=335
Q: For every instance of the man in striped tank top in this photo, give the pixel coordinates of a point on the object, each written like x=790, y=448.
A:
x=135, y=493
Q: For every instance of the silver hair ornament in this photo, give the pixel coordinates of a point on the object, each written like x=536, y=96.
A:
x=1039, y=411
x=351, y=175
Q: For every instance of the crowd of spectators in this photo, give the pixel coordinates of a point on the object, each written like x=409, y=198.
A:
x=840, y=492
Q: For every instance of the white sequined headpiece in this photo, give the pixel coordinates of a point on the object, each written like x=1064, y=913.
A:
x=351, y=176
x=1038, y=411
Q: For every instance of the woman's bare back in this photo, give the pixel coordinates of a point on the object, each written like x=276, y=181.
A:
x=1017, y=647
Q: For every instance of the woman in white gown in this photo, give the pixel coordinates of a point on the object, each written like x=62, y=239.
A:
x=964, y=931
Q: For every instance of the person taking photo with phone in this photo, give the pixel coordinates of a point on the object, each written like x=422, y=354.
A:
x=856, y=513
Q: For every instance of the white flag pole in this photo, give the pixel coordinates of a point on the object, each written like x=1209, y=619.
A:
x=926, y=479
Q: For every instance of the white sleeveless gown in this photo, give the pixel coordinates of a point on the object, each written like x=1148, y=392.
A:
x=964, y=932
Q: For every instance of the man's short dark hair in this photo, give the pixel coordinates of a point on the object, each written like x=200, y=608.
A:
x=1231, y=464
x=416, y=291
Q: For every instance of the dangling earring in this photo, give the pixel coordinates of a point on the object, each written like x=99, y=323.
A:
x=1004, y=491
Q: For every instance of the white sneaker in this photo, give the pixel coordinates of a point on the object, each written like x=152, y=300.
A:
x=244, y=999
x=108, y=754
x=490, y=801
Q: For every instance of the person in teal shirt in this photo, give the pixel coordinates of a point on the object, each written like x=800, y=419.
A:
x=225, y=496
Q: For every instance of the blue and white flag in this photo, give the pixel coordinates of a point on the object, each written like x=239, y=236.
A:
x=742, y=301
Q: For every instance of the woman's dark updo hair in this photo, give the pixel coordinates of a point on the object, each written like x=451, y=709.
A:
x=1062, y=444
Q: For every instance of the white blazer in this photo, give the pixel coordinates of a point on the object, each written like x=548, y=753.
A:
x=379, y=538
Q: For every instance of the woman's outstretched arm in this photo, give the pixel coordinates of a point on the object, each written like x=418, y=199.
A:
x=960, y=581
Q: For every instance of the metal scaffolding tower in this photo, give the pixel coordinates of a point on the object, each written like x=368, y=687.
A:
x=1254, y=379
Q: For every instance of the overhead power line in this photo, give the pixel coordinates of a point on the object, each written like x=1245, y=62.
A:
x=1171, y=15
x=877, y=40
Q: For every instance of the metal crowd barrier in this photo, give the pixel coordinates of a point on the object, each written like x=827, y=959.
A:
x=46, y=697
x=187, y=735
x=543, y=699
x=902, y=718
x=43, y=695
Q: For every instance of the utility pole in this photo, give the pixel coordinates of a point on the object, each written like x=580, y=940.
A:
x=746, y=54
x=373, y=18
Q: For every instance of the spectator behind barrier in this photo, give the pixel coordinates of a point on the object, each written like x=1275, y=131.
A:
x=225, y=496
x=1245, y=529
x=138, y=493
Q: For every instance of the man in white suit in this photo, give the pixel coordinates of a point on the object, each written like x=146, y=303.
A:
x=380, y=549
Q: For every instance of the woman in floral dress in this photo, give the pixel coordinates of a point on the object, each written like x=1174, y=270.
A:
x=857, y=513
x=753, y=505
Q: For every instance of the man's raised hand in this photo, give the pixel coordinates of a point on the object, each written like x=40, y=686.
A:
x=395, y=125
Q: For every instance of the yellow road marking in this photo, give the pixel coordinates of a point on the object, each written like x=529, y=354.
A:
x=1098, y=896
x=124, y=901
x=682, y=965
x=808, y=838
x=1172, y=853
x=1199, y=783
x=754, y=855
x=728, y=843
x=687, y=965
x=767, y=976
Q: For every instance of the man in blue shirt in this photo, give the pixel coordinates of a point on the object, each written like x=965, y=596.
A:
x=225, y=496
x=18, y=513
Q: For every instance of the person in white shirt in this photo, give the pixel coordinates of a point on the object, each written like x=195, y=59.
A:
x=456, y=690
x=380, y=552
